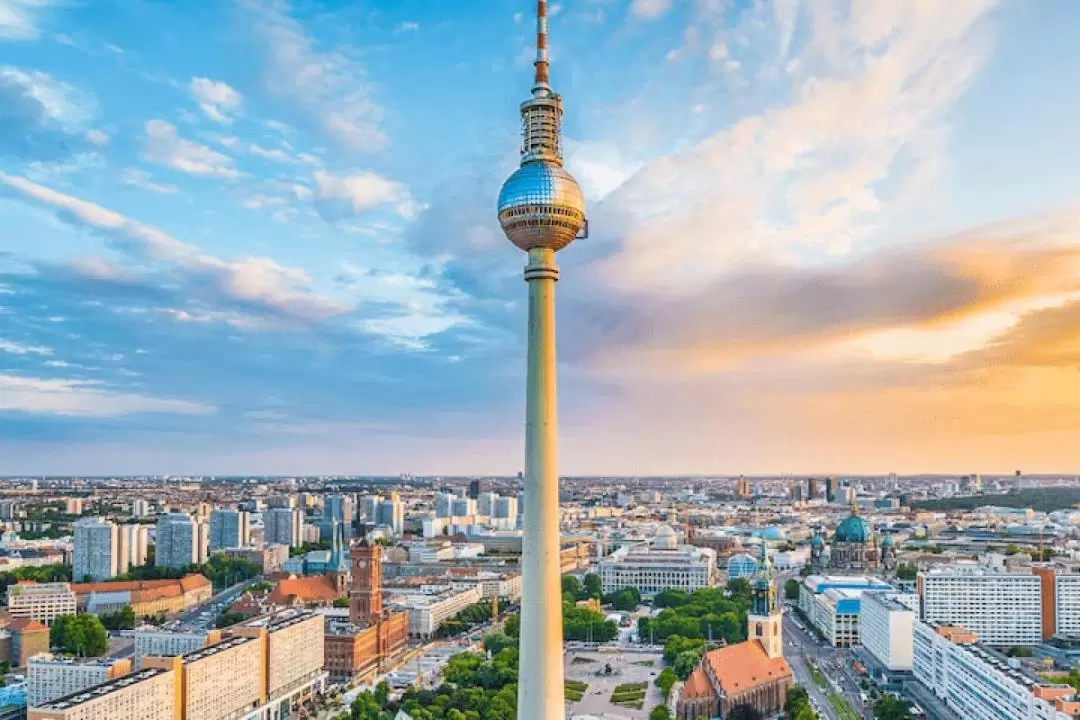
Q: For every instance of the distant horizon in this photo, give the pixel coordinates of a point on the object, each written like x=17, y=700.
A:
x=564, y=476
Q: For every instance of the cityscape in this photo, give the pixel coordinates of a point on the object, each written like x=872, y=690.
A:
x=277, y=469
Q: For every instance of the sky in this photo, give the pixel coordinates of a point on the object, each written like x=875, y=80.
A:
x=259, y=236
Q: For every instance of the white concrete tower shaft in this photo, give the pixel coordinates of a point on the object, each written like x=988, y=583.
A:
x=540, y=689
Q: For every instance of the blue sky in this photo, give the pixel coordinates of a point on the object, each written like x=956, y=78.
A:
x=259, y=236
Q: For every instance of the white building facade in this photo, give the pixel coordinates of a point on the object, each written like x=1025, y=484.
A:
x=95, y=555
x=659, y=566
x=43, y=602
x=887, y=627
x=176, y=541
x=1000, y=608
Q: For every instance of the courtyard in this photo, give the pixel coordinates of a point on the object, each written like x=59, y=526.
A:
x=609, y=673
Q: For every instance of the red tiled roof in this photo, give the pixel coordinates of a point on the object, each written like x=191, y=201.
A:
x=27, y=625
x=745, y=665
x=313, y=589
x=697, y=685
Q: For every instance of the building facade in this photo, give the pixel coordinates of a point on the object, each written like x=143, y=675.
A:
x=660, y=566
x=228, y=529
x=49, y=677
x=283, y=526
x=979, y=684
x=95, y=556
x=176, y=541
x=831, y=603
x=43, y=602
x=1000, y=608
x=146, y=695
x=886, y=628
x=132, y=547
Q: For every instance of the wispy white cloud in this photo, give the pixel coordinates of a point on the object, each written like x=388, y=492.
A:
x=15, y=348
x=218, y=100
x=85, y=398
x=257, y=282
x=97, y=137
x=342, y=195
x=327, y=86
x=133, y=177
x=162, y=145
x=17, y=19
x=407, y=27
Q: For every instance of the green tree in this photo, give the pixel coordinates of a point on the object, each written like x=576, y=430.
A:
x=685, y=662
x=1011, y=549
x=82, y=636
x=625, y=600
x=797, y=705
x=572, y=585
x=739, y=589
x=382, y=694
x=660, y=712
x=496, y=642
x=791, y=589
x=671, y=598
x=121, y=620
x=512, y=626
x=906, y=572
x=890, y=708
x=665, y=680
x=592, y=587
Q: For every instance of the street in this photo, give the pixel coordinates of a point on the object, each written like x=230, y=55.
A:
x=834, y=663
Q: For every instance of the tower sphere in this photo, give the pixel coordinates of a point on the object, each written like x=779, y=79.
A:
x=541, y=206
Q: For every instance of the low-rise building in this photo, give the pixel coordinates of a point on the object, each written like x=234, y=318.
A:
x=658, y=566
x=831, y=603
x=353, y=652
x=145, y=597
x=40, y=601
x=428, y=610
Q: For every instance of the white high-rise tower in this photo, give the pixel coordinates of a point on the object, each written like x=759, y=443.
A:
x=541, y=210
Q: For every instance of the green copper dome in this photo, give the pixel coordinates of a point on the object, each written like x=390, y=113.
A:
x=854, y=529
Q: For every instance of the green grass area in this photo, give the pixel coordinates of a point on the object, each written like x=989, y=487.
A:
x=645, y=663
x=842, y=707
x=629, y=687
x=819, y=679
x=574, y=690
x=579, y=660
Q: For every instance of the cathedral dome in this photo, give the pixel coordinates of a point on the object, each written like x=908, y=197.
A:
x=854, y=529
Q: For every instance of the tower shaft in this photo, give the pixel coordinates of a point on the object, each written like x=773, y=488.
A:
x=540, y=691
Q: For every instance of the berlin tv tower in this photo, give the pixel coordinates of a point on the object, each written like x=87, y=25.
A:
x=541, y=210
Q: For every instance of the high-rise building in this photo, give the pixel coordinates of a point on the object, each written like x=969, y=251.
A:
x=1000, y=608
x=392, y=514
x=73, y=506
x=1059, y=585
x=132, y=546
x=477, y=487
x=369, y=508
x=229, y=529
x=139, y=508
x=485, y=504
x=464, y=507
x=365, y=595
x=811, y=488
x=742, y=488
x=505, y=507
x=283, y=526
x=282, y=501
x=43, y=602
x=343, y=509
x=96, y=546
x=177, y=541
x=832, y=489
x=444, y=504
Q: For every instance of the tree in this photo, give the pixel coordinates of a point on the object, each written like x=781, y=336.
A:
x=791, y=589
x=671, y=598
x=685, y=663
x=745, y=711
x=797, y=705
x=660, y=712
x=494, y=643
x=83, y=635
x=890, y=708
x=625, y=600
x=512, y=626
x=1011, y=549
x=572, y=585
x=592, y=587
x=739, y=588
x=382, y=693
x=906, y=572
x=665, y=680
x=121, y=620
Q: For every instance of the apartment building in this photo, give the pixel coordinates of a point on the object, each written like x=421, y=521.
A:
x=283, y=526
x=163, y=643
x=146, y=695
x=43, y=602
x=49, y=677
x=177, y=541
x=95, y=556
x=228, y=529
x=132, y=547
x=832, y=604
x=294, y=648
x=979, y=684
x=1001, y=608
x=886, y=627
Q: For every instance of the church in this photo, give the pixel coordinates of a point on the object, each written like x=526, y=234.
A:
x=751, y=673
x=854, y=548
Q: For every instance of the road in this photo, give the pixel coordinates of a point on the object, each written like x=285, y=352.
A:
x=223, y=600
x=834, y=663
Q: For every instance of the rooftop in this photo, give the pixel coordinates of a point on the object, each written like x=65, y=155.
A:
x=97, y=691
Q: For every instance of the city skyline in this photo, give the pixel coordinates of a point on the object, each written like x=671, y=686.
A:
x=238, y=240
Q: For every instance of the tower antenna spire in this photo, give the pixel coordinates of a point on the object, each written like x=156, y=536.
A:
x=541, y=64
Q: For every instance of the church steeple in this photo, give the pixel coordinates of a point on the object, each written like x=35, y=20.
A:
x=765, y=623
